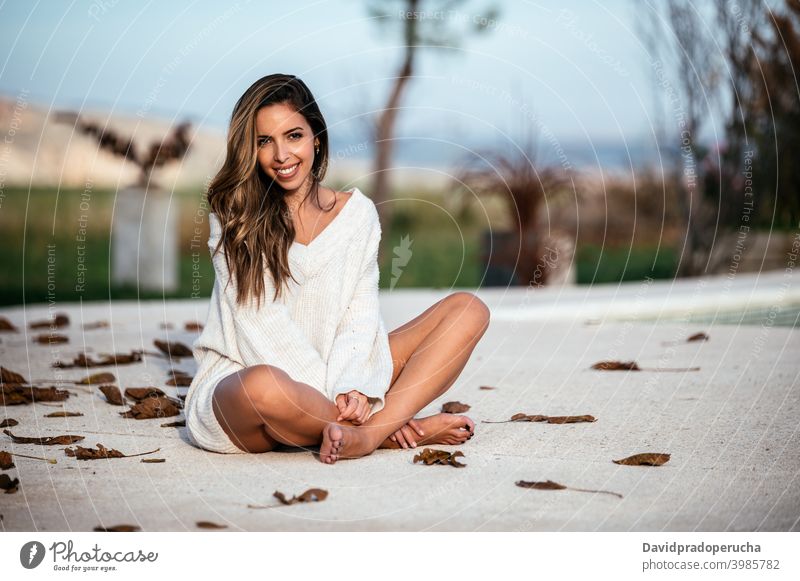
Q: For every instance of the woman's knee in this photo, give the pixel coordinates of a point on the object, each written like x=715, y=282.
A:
x=471, y=310
x=264, y=387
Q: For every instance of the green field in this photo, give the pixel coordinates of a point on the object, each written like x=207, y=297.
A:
x=39, y=230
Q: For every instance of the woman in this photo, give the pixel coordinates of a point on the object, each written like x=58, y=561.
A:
x=313, y=364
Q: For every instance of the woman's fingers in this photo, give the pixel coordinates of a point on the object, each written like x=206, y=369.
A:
x=408, y=433
x=401, y=439
x=415, y=424
x=350, y=411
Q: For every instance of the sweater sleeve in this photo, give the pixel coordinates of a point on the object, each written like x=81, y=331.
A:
x=354, y=361
x=267, y=335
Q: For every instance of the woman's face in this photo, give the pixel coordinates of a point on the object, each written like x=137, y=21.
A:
x=285, y=142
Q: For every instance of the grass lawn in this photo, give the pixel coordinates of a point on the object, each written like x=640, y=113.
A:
x=428, y=246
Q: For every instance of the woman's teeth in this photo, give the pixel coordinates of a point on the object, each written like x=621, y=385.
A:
x=289, y=170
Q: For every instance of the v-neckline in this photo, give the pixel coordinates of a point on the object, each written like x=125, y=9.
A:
x=308, y=246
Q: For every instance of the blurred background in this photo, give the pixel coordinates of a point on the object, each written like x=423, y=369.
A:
x=504, y=143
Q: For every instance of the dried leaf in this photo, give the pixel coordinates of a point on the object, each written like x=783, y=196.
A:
x=632, y=366
x=153, y=460
x=51, y=393
x=46, y=440
x=97, y=378
x=9, y=377
x=5, y=460
x=570, y=419
x=173, y=349
x=647, y=459
x=454, y=407
x=549, y=419
x=83, y=361
x=550, y=485
x=546, y=485
x=6, y=325
x=487, y=387
x=63, y=414
x=140, y=393
x=9, y=423
x=616, y=366
x=180, y=380
x=82, y=453
x=10, y=486
x=430, y=456
x=697, y=337
x=100, y=453
x=112, y=393
x=178, y=424
x=193, y=326
x=157, y=407
x=60, y=320
x=310, y=495
x=51, y=339
x=117, y=529
x=204, y=524
x=95, y=325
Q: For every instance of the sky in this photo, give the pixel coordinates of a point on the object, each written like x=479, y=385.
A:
x=575, y=71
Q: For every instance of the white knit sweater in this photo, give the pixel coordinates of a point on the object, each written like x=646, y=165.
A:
x=326, y=330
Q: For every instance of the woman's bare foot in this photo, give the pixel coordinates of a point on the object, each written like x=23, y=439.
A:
x=440, y=428
x=340, y=441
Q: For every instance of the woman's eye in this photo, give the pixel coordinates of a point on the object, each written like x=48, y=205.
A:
x=296, y=134
x=261, y=142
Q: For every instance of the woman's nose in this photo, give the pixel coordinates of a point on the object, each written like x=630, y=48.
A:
x=279, y=153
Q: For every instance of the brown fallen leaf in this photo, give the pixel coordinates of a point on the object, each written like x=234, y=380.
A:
x=550, y=485
x=646, y=459
x=454, y=407
x=310, y=495
x=173, y=348
x=112, y=393
x=616, y=366
x=96, y=325
x=153, y=460
x=194, y=326
x=60, y=320
x=487, y=387
x=46, y=440
x=5, y=460
x=100, y=453
x=157, y=407
x=7, y=326
x=83, y=361
x=7, y=484
x=40, y=394
x=63, y=414
x=9, y=423
x=140, y=393
x=117, y=529
x=549, y=419
x=10, y=377
x=204, y=524
x=97, y=378
x=178, y=424
x=51, y=339
x=632, y=366
x=697, y=337
x=430, y=456
x=180, y=380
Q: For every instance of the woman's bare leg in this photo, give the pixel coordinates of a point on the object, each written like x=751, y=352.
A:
x=430, y=370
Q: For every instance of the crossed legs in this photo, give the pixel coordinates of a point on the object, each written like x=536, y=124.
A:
x=261, y=406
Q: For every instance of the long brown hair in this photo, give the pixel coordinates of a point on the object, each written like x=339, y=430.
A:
x=250, y=206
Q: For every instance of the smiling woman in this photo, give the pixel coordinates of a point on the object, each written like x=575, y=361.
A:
x=314, y=365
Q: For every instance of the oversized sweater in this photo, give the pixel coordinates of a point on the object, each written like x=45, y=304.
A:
x=325, y=330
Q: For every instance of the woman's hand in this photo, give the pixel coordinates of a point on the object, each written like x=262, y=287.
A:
x=405, y=436
x=353, y=406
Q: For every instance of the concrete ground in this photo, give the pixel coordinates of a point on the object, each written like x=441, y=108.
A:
x=731, y=427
